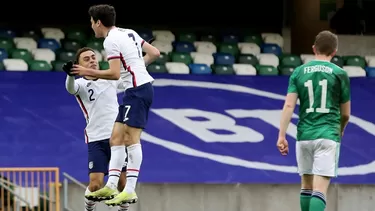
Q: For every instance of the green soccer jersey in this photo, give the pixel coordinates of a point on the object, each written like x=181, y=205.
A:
x=321, y=87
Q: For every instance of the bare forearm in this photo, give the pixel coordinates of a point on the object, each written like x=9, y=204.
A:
x=344, y=122
x=106, y=74
x=286, y=116
x=149, y=59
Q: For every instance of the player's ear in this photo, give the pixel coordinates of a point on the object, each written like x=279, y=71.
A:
x=313, y=48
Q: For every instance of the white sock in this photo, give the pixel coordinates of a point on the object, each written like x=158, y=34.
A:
x=134, y=165
x=118, y=156
x=123, y=207
x=89, y=205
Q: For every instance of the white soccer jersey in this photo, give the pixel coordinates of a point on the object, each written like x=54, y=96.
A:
x=126, y=44
x=98, y=101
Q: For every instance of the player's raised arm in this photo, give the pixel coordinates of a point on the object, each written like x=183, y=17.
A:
x=345, y=101
x=152, y=53
x=71, y=86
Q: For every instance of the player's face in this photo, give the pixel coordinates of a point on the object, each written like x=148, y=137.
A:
x=88, y=59
x=96, y=28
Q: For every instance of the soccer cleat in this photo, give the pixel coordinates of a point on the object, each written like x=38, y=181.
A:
x=122, y=198
x=105, y=193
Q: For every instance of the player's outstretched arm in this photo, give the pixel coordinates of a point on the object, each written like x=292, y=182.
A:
x=286, y=114
x=113, y=73
x=70, y=85
x=152, y=53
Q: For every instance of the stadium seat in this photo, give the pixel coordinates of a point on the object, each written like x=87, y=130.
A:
x=163, y=58
x=244, y=69
x=44, y=54
x=181, y=57
x=66, y=56
x=205, y=47
x=39, y=65
x=71, y=45
x=271, y=48
x=222, y=69
x=355, y=71
x=3, y=54
x=25, y=43
x=248, y=59
x=229, y=49
x=2, y=66
x=177, y=68
x=355, y=61
x=249, y=48
x=6, y=43
x=7, y=33
x=76, y=35
x=267, y=70
x=370, y=60
x=224, y=59
x=164, y=36
x=163, y=46
x=95, y=44
x=23, y=54
x=31, y=34
x=370, y=71
x=183, y=47
x=200, y=69
x=103, y=65
x=47, y=29
x=307, y=58
x=285, y=70
x=254, y=38
x=104, y=54
x=15, y=65
x=273, y=38
x=268, y=59
x=157, y=68
x=208, y=38
x=145, y=34
x=56, y=35
x=99, y=56
x=57, y=65
x=202, y=58
x=48, y=43
x=338, y=61
x=230, y=39
x=187, y=37
x=290, y=60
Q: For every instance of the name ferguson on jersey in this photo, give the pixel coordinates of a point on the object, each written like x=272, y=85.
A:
x=317, y=68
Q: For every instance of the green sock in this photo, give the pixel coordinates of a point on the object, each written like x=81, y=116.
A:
x=304, y=202
x=317, y=202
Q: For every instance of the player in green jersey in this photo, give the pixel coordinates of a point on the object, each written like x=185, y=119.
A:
x=323, y=89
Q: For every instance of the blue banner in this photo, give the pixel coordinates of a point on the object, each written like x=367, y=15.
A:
x=202, y=129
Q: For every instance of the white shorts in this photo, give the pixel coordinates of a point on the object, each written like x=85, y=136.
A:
x=318, y=157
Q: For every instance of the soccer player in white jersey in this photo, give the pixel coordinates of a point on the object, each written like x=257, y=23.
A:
x=124, y=50
x=98, y=101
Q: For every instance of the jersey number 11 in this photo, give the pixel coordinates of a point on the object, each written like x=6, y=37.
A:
x=323, y=99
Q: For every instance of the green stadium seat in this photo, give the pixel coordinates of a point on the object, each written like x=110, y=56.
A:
x=254, y=38
x=57, y=65
x=39, y=65
x=2, y=66
x=208, y=38
x=6, y=44
x=290, y=60
x=76, y=35
x=181, y=57
x=248, y=59
x=223, y=69
x=23, y=54
x=95, y=44
x=163, y=58
x=187, y=37
x=338, y=60
x=71, y=45
x=103, y=65
x=66, y=55
x=267, y=70
x=32, y=34
x=228, y=48
x=157, y=68
x=285, y=70
x=355, y=61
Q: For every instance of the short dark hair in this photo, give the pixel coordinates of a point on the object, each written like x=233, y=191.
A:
x=80, y=51
x=326, y=43
x=105, y=13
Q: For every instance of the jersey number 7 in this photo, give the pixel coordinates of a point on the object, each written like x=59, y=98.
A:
x=131, y=35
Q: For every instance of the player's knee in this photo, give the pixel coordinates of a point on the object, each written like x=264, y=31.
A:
x=133, y=135
x=117, y=136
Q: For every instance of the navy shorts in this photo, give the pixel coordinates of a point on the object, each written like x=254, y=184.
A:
x=99, y=157
x=136, y=105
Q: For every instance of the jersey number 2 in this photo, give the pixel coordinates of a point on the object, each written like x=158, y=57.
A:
x=136, y=44
x=91, y=93
x=323, y=100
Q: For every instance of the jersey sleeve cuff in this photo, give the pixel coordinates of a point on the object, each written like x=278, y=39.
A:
x=143, y=42
x=113, y=57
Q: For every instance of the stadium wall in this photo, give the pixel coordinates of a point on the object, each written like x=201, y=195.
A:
x=240, y=197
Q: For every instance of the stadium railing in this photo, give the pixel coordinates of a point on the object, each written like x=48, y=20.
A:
x=36, y=189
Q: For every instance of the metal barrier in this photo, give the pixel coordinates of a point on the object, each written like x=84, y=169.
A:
x=68, y=178
x=29, y=189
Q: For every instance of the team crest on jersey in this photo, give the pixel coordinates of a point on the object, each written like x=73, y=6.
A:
x=91, y=164
x=88, y=84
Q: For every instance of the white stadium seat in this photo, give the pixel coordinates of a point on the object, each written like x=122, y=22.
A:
x=163, y=46
x=244, y=69
x=25, y=43
x=205, y=47
x=15, y=65
x=177, y=68
x=355, y=71
x=249, y=48
x=44, y=54
x=268, y=59
x=164, y=36
x=202, y=58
